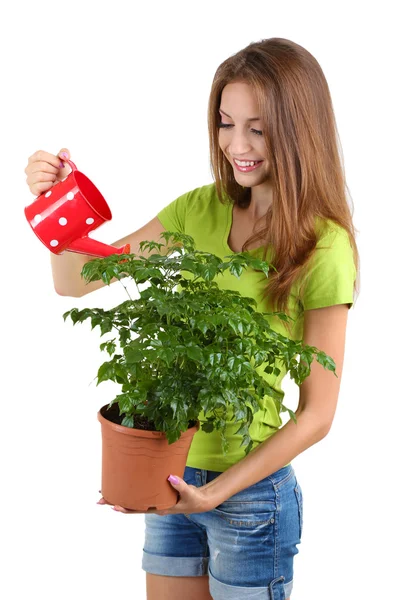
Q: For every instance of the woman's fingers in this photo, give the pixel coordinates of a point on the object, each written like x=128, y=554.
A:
x=40, y=156
x=116, y=507
x=41, y=166
x=45, y=169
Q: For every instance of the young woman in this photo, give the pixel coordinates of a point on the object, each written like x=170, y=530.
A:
x=279, y=192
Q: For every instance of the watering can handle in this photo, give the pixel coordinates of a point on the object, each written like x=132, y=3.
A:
x=70, y=162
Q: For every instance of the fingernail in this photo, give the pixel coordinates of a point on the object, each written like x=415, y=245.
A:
x=62, y=165
x=173, y=479
x=64, y=154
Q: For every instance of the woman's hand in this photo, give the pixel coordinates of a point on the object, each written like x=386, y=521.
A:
x=45, y=170
x=191, y=500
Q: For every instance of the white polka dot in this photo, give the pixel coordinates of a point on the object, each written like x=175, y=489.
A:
x=89, y=221
x=37, y=218
x=70, y=196
x=62, y=221
x=53, y=243
x=48, y=194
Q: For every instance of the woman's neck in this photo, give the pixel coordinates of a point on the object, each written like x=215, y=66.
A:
x=261, y=200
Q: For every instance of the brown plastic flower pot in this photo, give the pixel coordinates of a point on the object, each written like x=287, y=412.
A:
x=136, y=464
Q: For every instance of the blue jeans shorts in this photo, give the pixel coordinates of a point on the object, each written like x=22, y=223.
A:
x=246, y=545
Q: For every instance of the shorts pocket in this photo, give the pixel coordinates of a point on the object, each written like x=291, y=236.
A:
x=299, y=496
x=246, y=514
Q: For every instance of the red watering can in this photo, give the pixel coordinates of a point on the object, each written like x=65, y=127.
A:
x=63, y=216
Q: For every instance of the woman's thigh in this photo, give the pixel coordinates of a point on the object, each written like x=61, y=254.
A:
x=161, y=587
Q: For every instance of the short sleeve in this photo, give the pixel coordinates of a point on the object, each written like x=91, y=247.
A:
x=332, y=274
x=173, y=216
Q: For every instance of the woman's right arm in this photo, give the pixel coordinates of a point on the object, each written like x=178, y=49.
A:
x=66, y=267
x=43, y=171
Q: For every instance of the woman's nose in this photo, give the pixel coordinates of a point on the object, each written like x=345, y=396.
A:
x=239, y=143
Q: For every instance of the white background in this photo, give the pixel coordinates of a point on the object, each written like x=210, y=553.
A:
x=125, y=88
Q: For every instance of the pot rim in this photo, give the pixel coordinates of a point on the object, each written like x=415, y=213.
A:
x=141, y=432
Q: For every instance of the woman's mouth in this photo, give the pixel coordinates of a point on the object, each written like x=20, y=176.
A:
x=245, y=166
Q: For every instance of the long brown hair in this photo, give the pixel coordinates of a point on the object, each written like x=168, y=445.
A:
x=302, y=148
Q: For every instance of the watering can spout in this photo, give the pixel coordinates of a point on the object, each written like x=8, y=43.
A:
x=86, y=245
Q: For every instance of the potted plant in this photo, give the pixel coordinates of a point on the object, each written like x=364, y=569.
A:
x=182, y=347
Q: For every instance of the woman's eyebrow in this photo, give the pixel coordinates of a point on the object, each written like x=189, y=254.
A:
x=252, y=119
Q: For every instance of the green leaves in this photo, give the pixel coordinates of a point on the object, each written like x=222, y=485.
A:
x=326, y=361
x=184, y=345
x=106, y=372
x=128, y=421
x=109, y=346
x=243, y=260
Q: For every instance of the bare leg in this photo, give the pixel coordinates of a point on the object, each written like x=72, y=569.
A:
x=162, y=587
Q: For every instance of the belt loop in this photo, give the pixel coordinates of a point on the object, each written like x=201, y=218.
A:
x=198, y=477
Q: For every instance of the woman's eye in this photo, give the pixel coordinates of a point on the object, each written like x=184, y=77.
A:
x=222, y=125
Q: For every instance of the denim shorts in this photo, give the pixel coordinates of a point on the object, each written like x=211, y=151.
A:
x=246, y=545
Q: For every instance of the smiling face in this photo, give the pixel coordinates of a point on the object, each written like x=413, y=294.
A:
x=241, y=135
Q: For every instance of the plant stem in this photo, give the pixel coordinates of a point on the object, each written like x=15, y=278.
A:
x=126, y=289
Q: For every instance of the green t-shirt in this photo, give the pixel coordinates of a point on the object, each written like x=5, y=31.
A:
x=200, y=214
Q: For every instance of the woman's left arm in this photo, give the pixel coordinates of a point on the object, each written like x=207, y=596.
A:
x=324, y=328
